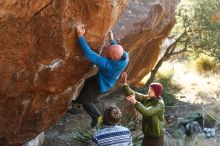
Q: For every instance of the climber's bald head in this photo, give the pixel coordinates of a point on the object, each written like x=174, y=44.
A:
x=115, y=52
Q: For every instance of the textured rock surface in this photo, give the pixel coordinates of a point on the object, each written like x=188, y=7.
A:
x=141, y=30
x=41, y=64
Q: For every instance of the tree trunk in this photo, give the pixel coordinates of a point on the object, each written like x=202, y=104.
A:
x=154, y=72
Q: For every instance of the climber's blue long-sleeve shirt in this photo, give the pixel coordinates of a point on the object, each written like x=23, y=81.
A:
x=109, y=70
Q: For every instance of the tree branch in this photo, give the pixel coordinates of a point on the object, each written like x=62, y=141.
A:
x=179, y=52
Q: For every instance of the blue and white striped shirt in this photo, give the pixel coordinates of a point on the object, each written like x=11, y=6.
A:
x=112, y=136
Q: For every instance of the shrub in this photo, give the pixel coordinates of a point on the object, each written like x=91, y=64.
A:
x=129, y=120
x=209, y=121
x=169, y=98
x=83, y=135
x=166, y=79
x=205, y=64
x=170, y=87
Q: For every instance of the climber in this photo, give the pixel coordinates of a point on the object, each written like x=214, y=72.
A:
x=152, y=108
x=110, y=68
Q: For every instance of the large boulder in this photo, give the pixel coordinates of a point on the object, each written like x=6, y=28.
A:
x=141, y=30
x=41, y=64
x=42, y=67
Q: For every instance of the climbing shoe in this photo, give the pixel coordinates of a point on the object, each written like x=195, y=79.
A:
x=76, y=109
x=96, y=121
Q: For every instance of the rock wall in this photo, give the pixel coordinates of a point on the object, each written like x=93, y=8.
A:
x=42, y=67
x=41, y=64
x=141, y=30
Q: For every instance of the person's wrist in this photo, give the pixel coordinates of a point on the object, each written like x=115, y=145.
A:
x=111, y=40
x=80, y=35
x=134, y=102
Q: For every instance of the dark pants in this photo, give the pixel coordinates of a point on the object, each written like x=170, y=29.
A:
x=88, y=95
x=153, y=141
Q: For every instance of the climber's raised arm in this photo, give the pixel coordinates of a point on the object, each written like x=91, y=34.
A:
x=87, y=51
x=111, y=38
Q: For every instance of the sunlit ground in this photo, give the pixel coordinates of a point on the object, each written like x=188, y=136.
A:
x=196, y=88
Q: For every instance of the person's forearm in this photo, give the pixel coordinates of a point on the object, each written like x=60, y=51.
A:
x=148, y=111
x=92, y=56
x=89, y=53
x=129, y=91
x=111, y=38
x=85, y=47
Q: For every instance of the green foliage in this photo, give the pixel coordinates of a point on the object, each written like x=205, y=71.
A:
x=200, y=19
x=83, y=135
x=137, y=139
x=169, y=98
x=170, y=87
x=209, y=121
x=165, y=78
x=129, y=120
x=205, y=64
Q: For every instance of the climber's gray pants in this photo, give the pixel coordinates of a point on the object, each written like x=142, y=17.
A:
x=88, y=95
